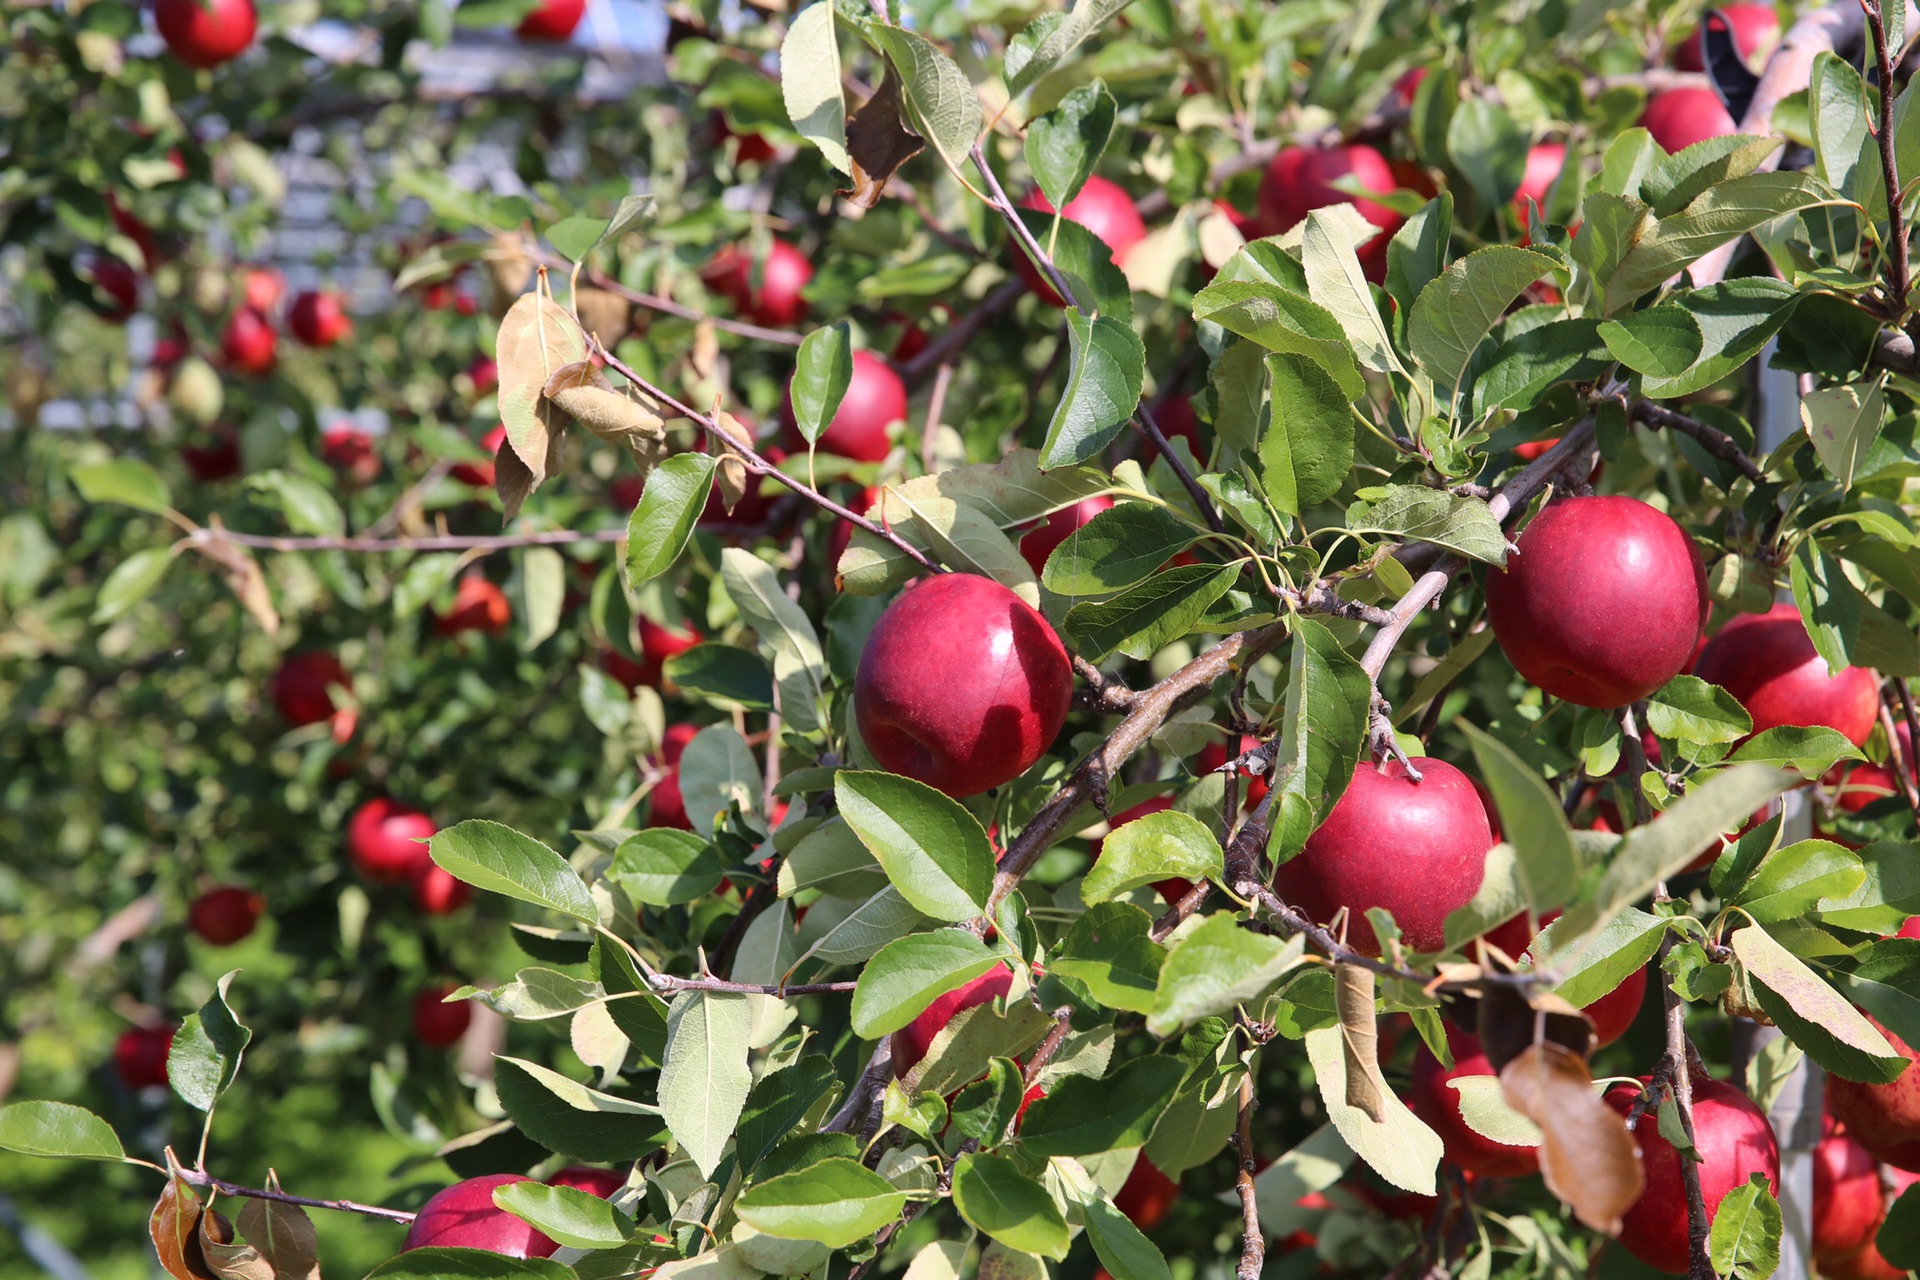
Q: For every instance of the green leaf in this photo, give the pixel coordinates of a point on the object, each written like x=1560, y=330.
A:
x=1152, y=847
x=1688, y=709
x=1484, y=1108
x=786, y=634
x=571, y=1119
x=1595, y=963
x=1214, y=968
x=1531, y=821
x=941, y=102
x=908, y=975
x=1841, y=115
x=836, y=1203
x=1117, y=548
x=1489, y=147
x=1085, y=1115
x=574, y=236
x=1899, y=1236
x=1322, y=733
x=1663, y=342
x=725, y=673
x=932, y=849
x=537, y=993
x=1417, y=253
x=1282, y=320
x=705, y=1079
x=717, y=771
x=127, y=481
x=777, y=1105
x=996, y=1198
x=1418, y=514
x=1525, y=366
x=662, y=520
x=663, y=867
x=130, y=582
x=1123, y=1250
x=577, y=1219
x=1844, y=423
x=1673, y=183
x=490, y=856
x=1064, y=145
x=207, y=1049
x=435, y=1263
x=1456, y=312
x=810, y=83
x=1106, y=365
x=985, y=1109
x=58, y=1130
x=1795, y=880
x=1307, y=450
x=1814, y=1015
x=1735, y=319
x=1336, y=281
x=1399, y=1147
x=424, y=578
x=1828, y=601
x=1150, y=615
x=307, y=505
x=821, y=377
x=1812, y=750
x=543, y=594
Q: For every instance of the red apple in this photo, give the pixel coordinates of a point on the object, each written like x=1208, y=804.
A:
x=1036, y=546
x=1419, y=849
x=438, y=892
x=1253, y=790
x=1768, y=663
x=875, y=400
x=218, y=459
x=776, y=300
x=1544, y=163
x=1883, y=1118
x=911, y=1042
x=225, y=915
x=248, y=343
x=1734, y=1142
x=749, y=147
x=1860, y=785
x=1147, y=1196
x=658, y=643
x=1866, y=1262
x=962, y=685
x=552, y=20
x=595, y=1182
x=1533, y=449
x=303, y=687
x=349, y=450
x=1436, y=1102
x=1847, y=1203
x=1756, y=30
x=387, y=841
x=669, y=808
x=115, y=282
x=480, y=474
x=484, y=372
x=628, y=672
x=205, y=33
x=1300, y=179
x=437, y=1023
x=318, y=319
x=1603, y=603
x=1678, y=118
x=261, y=289
x=140, y=1056
x=1178, y=421
x=135, y=230
x=464, y=304
x=864, y=505
x=478, y=605
x=464, y=1217
x=1103, y=208
x=1407, y=87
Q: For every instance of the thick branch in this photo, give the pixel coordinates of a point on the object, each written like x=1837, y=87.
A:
x=1714, y=441
x=225, y=1188
x=1253, y=1243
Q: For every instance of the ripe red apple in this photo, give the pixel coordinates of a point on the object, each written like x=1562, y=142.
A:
x=1300, y=179
x=1532, y=450
x=1866, y=1262
x=669, y=808
x=140, y=1056
x=484, y=372
x=478, y=605
x=1860, y=785
x=480, y=474
x=1756, y=30
x=658, y=643
x=437, y=1023
x=1734, y=1141
x=1437, y=1103
x=1419, y=849
x=1883, y=1118
x=261, y=289
x=1544, y=163
x=387, y=841
x=249, y=341
x=1036, y=546
x=1603, y=603
x=1768, y=663
x=776, y=301
x=1678, y=118
x=1847, y=1203
x=350, y=450
x=1407, y=87
x=749, y=147
x=464, y=1217
x=1613, y=1012
x=552, y=20
x=962, y=685
x=875, y=400
x=464, y=304
x=318, y=318
x=303, y=687
x=1103, y=208
x=116, y=283
x=438, y=892
x=217, y=459
x=135, y=230
x=911, y=1042
x=583, y=1177
x=1178, y=421
x=205, y=33
x=1147, y=1196
x=224, y=915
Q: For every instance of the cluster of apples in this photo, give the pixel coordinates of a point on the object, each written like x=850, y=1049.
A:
x=1679, y=117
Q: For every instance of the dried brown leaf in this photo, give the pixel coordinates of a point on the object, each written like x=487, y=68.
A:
x=603, y=314
x=284, y=1236
x=538, y=337
x=175, y=1229
x=1512, y=1021
x=512, y=480
x=704, y=355
x=227, y=1256
x=1587, y=1157
x=509, y=265
x=879, y=142
x=730, y=479
x=609, y=415
x=244, y=578
x=1353, y=987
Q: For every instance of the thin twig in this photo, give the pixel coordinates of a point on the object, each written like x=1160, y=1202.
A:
x=666, y=982
x=1898, y=276
x=948, y=343
x=936, y=403
x=436, y=542
x=1680, y=1078
x=665, y=306
x=1049, y=1045
x=1716, y=442
x=871, y=1084
x=1636, y=752
x=1253, y=1242
x=196, y=1178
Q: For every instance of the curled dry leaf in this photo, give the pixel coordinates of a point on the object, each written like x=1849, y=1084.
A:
x=175, y=1228
x=227, y=1256
x=1353, y=987
x=512, y=480
x=704, y=354
x=604, y=315
x=243, y=576
x=538, y=338
x=731, y=477
x=1512, y=1021
x=283, y=1234
x=1587, y=1157
x=509, y=265
x=879, y=142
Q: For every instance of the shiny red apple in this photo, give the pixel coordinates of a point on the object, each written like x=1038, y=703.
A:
x=205, y=33
x=1147, y=1196
x=478, y=605
x=1847, y=1204
x=437, y=1023
x=1300, y=179
x=464, y=1217
x=249, y=343
x=386, y=841
x=1767, y=661
x=1756, y=30
x=1544, y=163
x=1883, y=1118
x=584, y=1177
x=1678, y=118
x=224, y=915
x=438, y=892
x=767, y=292
x=552, y=20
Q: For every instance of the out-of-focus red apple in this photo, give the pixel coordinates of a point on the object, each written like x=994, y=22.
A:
x=1544, y=163
x=261, y=289
x=478, y=605
x=438, y=1024
x=318, y=318
x=1767, y=661
x=217, y=459
x=1103, y=208
x=349, y=450
x=1300, y=179
x=1847, y=1205
x=484, y=372
x=387, y=841
x=875, y=400
x=552, y=20
x=249, y=343
x=1147, y=1196
x=1756, y=30
x=480, y=474
x=303, y=687
x=438, y=892
x=205, y=33
x=140, y=1056
x=224, y=915
x=464, y=1217
x=768, y=296
x=584, y=1177
x=669, y=808
x=1678, y=118
x=116, y=286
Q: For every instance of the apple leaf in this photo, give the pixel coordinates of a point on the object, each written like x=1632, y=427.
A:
x=944, y=107
x=1843, y=423
x=837, y=1202
x=663, y=519
x=1321, y=1159
x=1688, y=709
x=1531, y=821
x=907, y=976
x=1215, y=967
x=1106, y=366
x=865, y=928
x=663, y=867
x=1152, y=847
x=1282, y=320
x=810, y=83
x=1746, y=1229
x=1336, y=281
x=1811, y=750
x=778, y=1103
x=1527, y=365
x=1814, y=1015
x=1486, y=1111
x=127, y=481
x=1662, y=342
x=1587, y=1157
x=1795, y=880
x=1086, y=1115
x=1117, y=548
x=705, y=1079
x=490, y=856
x=1459, y=308
x=717, y=771
x=996, y=1198
x=437, y=1263
x=1307, y=451
x=1489, y=147
x=1418, y=514
x=1148, y=615
x=566, y=1116
x=1594, y=963
x=207, y=1049
x=131, y=581
x=1124, y=1251
x=724, y=673
x=1899, y=1236
x=1886, y=983
x=577, y=1219
x=1398, y=1146
x=1323, y=732
x=59, y=1130
x=787, y=636
x=821, y=377
x=1110, y=951
x=1064, y=145
x=932, y=849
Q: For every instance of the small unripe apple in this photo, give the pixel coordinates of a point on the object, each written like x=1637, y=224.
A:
x=1047, y=536
x=776, y=301
x=249, y=342
x=962, y=685
x=1300, y=179
x=140, y=1056
x=349, y=450
x=437, y=1023
x=1103, y=208
x=205, y=33
x=1418, y=849
x=478, y=605
x=1767, y=661
x=552, y=20
x=1756, y=30
x=584, y=1177
x=1847, y=1205
x=1147, y=1196
x=224, y=915
x=318, y=319
x=911, y=1042
x=875, y=400
x=438, y=892
x=1734, y=1142
x=464, y=1217
x=480, y=474
x=1603, y=603
x=669, y=808
x=303, y=687
x=387, y=841
x=1678, y=118
x=116, y=286
x=196, y=392
x=1435, y=1101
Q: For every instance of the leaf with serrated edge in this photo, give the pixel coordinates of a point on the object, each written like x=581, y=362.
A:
x=495, y=857
x=705, y=1079
x=59, y=1130
x=1816, y=1017
x=944, y=107
x=1398, y=1146
x=1336, y=281
x=1152, y=847
x=810, y=83
x=933, y=850
x=1214, y=968
x=1459, y=308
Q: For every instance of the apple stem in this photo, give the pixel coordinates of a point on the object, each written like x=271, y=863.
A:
x=195, y=1177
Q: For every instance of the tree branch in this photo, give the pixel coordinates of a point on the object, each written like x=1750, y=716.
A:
x=1253, y=1243
x=196, y=1178
x=1714, y=441
x=1680, y=1079
x=946, y=345
x=438, y=542
x=1897, y=270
